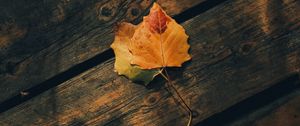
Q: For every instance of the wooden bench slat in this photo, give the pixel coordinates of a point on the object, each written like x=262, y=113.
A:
x=287, y=114
x=80, y=35
x=239, y=48
x=282, y=112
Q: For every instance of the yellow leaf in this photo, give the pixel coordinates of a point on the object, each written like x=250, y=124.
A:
x=159, y=42
x=123, y=56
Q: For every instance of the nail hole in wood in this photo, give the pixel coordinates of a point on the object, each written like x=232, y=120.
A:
x=105, y=11
x=135, y=11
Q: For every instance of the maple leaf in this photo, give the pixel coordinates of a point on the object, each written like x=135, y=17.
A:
x=159, y=41
x=123, y=56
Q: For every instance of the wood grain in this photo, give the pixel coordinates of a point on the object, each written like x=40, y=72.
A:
x=52, y=39
x=285, y=115
x=233, y=58
x=281, y=112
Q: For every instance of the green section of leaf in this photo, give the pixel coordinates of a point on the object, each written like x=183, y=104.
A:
x=123, y=57
x=136, y=74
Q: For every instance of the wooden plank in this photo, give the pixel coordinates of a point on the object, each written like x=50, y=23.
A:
x=80, y=30
x=239, y=48
x=20, y=26
x=285, y=115
x=253, y=109
x=282, y=112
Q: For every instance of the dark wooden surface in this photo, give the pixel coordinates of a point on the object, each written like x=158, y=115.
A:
x=285, y=115
x=45, y=38
x=282, y=112
x=239, y=48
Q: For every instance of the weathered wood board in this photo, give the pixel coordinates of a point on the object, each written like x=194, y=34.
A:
x=282, y=112
x=239, y=48
x=285, y=115
x=261, y=105
x=37, y=47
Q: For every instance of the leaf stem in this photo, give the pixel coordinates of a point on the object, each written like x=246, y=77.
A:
x=170, y=84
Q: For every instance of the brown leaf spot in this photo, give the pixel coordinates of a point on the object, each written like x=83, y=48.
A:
x=157, y=20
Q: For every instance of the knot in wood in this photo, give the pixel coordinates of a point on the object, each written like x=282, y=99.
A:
x=245, y=48
x=152, y=99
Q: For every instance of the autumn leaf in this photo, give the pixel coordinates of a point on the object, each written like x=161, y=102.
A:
x=123, y=56
x=159, y=41
x=143, y=51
